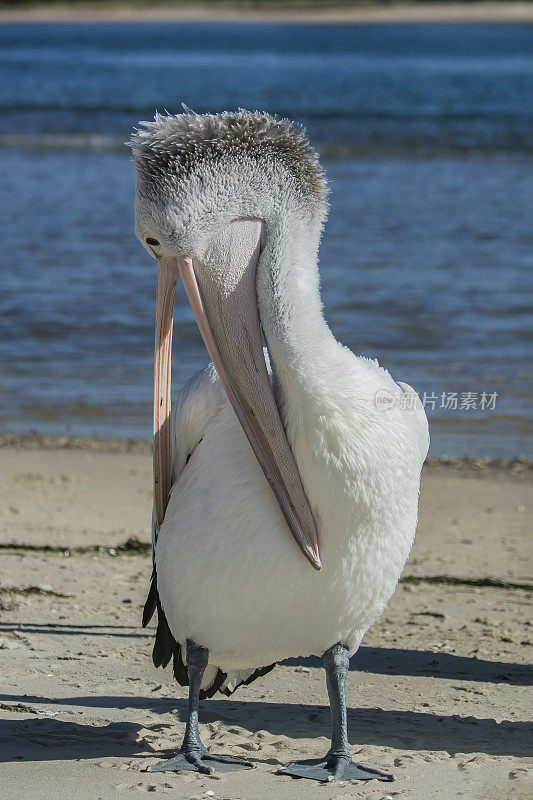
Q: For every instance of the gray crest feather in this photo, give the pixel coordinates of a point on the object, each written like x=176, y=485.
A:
x=178, y=144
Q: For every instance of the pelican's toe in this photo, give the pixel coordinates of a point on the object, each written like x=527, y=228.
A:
x=333, y=768
x=200, y=761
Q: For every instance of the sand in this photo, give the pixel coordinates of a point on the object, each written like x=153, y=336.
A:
x=482, y=11
x=438, y=694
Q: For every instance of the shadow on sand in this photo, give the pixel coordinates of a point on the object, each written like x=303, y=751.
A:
x=424, y=663
x=404, y=730
x=45, y=739
x=64, y=629
x=378, y=660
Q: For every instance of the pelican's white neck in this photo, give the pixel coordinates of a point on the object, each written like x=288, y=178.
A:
x=296, y=333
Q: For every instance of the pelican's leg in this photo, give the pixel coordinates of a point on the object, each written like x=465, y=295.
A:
x=192, y=754
x=338, y=763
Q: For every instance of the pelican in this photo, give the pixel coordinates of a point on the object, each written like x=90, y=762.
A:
x=286, y=479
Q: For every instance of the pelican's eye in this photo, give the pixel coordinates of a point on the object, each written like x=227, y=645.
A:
x=153, y=245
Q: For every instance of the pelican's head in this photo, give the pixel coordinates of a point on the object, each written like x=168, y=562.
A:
x=216, y=198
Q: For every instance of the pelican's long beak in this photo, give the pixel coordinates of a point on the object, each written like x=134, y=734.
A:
x=220, y=282
x=167, y=278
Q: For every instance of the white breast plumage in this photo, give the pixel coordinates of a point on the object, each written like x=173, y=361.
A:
x=229, y=576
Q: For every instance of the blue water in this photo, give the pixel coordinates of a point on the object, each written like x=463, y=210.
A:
x=425, y=132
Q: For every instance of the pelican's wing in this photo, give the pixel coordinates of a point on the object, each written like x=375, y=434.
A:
x=197, y=404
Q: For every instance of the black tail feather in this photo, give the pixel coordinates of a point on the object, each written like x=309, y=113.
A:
x=151, y=602
x=165, y=643
x=257, y=674
x=220, y=677
x=179, y=668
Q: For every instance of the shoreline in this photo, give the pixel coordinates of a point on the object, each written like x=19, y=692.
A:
x=37, y=441
x=480, y=12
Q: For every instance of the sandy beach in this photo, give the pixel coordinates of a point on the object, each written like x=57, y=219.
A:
x=190, y=12
x=438, y=693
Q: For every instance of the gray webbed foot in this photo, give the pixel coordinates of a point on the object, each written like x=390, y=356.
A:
x=192, y=755
x=333, y=768
x=200, y=761
x=338, y=763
